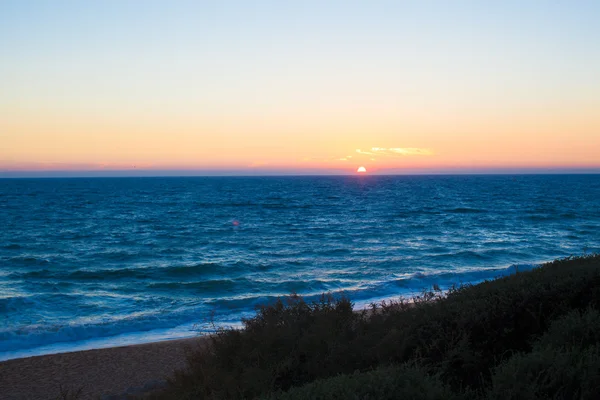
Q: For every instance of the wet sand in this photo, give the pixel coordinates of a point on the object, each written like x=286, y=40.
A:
x=109, y=373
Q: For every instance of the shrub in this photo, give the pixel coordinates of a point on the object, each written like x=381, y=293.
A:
x=575, y=329
x=460, y=338
x=564, y=363
x=549, y=373
x=476, y=326
x=396, y=382
x=286, y=344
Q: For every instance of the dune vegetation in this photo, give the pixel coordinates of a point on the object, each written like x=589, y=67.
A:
x=531, y=335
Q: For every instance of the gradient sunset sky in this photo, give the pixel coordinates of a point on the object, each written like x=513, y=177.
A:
x=299, y=86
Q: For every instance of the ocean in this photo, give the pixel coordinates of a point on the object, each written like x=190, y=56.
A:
x=97, y=262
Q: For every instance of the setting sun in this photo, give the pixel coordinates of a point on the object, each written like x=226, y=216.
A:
x=361, y=169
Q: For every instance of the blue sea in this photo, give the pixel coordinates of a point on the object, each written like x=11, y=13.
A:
x=90, y=263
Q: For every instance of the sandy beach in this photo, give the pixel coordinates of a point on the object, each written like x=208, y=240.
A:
x=109, y=373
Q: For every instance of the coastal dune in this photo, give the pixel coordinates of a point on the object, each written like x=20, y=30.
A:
x=110, y=373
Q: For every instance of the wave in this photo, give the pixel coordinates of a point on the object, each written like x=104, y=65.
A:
x=13, y=246
x=177, y=271
x=326, y=251
x=415, y=283
x=15, y=304
x=83, y=275
x=28, y=260
x=250, y=204
x=405, y=286
x=28, y=337
x=13, y=339
x=22, y=304
x=466, y=256
x=246, y=285
x=551, y=216
x=465, y=210
x=205, y=287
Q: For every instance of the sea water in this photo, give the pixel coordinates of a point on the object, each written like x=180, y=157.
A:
x=88, y=263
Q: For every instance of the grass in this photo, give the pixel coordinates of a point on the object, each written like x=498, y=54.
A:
x=532, y=335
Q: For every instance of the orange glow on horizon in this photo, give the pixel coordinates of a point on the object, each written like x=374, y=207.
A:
x=60, y=140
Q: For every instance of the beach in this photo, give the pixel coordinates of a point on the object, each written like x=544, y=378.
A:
x=109, y=373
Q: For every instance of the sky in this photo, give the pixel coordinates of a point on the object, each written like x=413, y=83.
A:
x=316, y=87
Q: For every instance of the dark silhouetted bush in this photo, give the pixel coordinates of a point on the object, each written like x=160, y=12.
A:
x=574, y=330
x=460, y=338
x=564, y=363
x=286, y=344
x=549, y=373
x=401, y=382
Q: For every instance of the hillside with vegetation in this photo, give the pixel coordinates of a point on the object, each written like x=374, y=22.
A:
x=531, y=335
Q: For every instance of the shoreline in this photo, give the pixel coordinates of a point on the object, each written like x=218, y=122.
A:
x=105, y=373
x=135, y=369
x=98, y=343
x=359, y=305
x=113, y=372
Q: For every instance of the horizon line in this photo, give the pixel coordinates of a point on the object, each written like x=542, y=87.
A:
x=128, y=173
